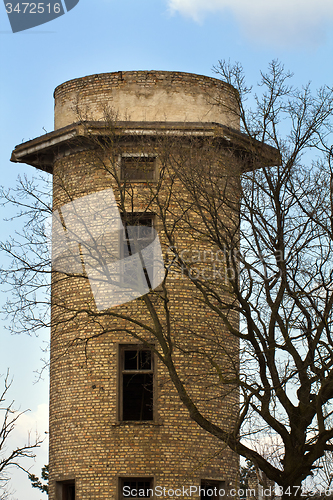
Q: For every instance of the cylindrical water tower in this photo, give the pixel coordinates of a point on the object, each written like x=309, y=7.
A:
x=117, y=426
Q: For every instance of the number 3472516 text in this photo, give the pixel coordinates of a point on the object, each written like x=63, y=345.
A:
x=33, y=8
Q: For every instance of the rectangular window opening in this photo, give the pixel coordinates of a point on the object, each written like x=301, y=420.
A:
x=135, y=488
x=138, y=167
x=65, y=490
x=139, y=234
x=141, y=230
x=136, y=384
x=212, y=489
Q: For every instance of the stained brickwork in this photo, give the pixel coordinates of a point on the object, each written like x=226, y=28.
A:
x=147, y=96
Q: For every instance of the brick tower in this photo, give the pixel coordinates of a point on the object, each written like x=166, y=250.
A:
x=116, y=421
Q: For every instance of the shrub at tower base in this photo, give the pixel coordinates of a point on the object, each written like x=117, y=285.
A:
x=242, y=320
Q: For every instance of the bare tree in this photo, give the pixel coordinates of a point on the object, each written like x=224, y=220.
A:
x=11, y=458
x=26, y=265
x=269, y=264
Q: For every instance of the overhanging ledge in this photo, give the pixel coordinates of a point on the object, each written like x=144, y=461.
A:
x=42, y=151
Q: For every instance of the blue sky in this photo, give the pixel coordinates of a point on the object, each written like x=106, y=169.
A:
x=111, y=35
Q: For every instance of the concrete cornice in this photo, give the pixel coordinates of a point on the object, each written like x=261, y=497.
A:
x=42, y=151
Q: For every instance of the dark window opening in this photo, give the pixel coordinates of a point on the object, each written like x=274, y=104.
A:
x=136, y=488
x=137, y=168
x=212, y=490
x=137, y=384
x=65, y=490
x=139, y=233
x=137, y=360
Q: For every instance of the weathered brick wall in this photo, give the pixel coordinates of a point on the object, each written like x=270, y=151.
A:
x=147, y=96
x=87, y=441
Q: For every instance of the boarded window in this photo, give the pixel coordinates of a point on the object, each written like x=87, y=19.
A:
x=138, y=168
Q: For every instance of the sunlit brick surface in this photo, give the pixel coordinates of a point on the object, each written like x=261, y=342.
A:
x=88, y=443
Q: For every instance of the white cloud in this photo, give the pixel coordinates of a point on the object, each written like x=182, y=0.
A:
x=31, y=423
x=278, y=21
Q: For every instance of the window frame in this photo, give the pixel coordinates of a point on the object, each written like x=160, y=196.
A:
x=136, y=217
x=124, y=179
x=120, y=396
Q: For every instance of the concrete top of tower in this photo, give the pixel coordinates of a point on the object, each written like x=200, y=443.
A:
x=147, y=96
